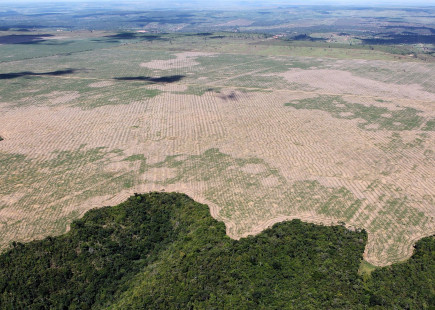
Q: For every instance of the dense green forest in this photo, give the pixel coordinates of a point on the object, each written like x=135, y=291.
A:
x=165, y=251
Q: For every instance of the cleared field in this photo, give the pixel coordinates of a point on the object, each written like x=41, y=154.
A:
x=260, y=134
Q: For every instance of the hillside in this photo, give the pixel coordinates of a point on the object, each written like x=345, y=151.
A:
x=165, y=251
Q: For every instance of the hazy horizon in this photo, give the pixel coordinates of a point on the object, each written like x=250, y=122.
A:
x=229, y=3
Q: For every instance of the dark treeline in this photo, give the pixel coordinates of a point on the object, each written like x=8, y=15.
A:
x=165, y=251
x=403, y=38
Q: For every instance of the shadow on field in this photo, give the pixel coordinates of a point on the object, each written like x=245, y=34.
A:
x=199, y=34
x=24, y=38
x=134, y=35
x=231, y=96
x=305, y=37
x=163, y=79
x=14, y=75
x=123, y=35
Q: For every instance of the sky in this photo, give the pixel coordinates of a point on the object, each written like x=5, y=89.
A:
x=249, y=2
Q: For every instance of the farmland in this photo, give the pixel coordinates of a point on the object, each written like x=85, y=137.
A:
x=260, y=129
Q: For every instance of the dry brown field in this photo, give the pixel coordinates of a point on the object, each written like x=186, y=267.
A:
x=260, y=134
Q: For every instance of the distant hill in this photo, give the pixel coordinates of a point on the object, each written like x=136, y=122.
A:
x=165, y=251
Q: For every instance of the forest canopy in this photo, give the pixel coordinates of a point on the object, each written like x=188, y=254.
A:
x=165, y=251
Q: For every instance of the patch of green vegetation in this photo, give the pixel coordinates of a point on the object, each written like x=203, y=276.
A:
x=429, y=126
x=137, y=93
x=200, y=90
x=259, y=81
x=253, y=90
x=46, y=90
x=321, y=49
x=398, y=145
x=12, y=172
x=305, y=65
x=165, y=251
x=150, y=93
x=14, y=52
x=365, y=269
x=429, y=154
x=228, y=66
x=64, y=222
x=383, y=118
x=135, y=157
x=222, y=61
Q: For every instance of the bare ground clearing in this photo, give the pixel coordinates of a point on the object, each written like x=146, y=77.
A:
x=101, y=84
x=252, y=159
x=344, y=82
x=182, y=60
